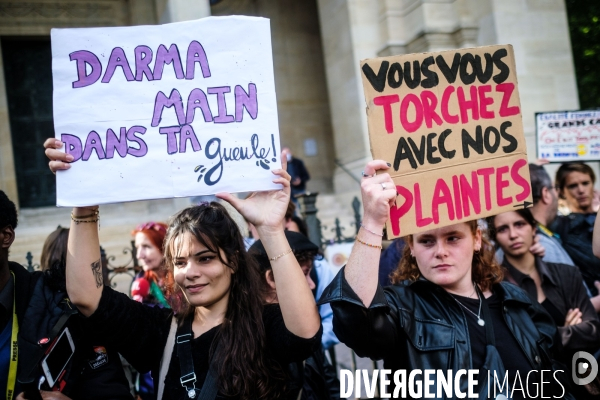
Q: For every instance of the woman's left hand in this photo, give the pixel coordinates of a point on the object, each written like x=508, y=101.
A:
x=265, y=209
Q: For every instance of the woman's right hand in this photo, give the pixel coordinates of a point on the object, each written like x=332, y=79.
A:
x=378, y=194
x=84, y=288
x=59, y=160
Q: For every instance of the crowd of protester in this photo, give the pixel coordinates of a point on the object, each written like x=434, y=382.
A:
x=215, y=315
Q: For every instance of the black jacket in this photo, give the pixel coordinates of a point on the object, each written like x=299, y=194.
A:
x=576, y=232
x=24, y=286
x=93, y=373
x=419, y=326
x=296, y=169
x=315, y=376
x=25, y=283
x=563, y=287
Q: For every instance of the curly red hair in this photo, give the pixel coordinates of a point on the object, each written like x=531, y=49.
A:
x=156, y=233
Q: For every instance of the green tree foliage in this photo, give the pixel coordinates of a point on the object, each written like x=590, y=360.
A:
x=584, y=25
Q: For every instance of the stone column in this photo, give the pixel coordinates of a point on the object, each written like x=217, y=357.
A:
x=182, y=10
x=411, y=26
x=142, y=12
x=8, y=178
x=349, y=30
x=353, y=30
x=539, y=33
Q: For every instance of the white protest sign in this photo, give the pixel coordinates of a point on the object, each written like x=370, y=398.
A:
x=568, y=135
x=164, y=111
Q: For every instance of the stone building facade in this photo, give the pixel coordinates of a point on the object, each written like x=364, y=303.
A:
x=317, y=45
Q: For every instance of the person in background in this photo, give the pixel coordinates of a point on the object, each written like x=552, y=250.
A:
x=296, y=224
x=55, y=248
x=321, y=276
x=95, y=371
x=293, y=222
x=390, y=258
x=148, y=286
x=575, y=183
x=16, y=289
x=298, y=172
x=544, y=211
x=313, y=378
x=557, y=287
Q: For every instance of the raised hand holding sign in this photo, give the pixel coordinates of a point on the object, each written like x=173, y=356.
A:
x=450, y=125
x=164, y=111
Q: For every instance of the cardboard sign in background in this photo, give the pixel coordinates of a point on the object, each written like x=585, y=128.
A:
x=450, y=124
x=568, y=136
x=173, y=110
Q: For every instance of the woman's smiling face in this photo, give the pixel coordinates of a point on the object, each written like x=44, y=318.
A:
x=149, y=256
x=203, y=278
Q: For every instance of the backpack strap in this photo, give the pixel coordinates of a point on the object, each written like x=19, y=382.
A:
x=166, y=358
x=186, y=363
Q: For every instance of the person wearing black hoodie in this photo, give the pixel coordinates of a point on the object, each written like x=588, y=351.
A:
x=16, y=288
x=34, y=309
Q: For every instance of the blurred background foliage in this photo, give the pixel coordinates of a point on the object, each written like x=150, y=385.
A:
x=584, y=25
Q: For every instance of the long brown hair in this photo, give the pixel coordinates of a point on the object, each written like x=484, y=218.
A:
x=243, y=366
x=485, y=271
x=55, y=248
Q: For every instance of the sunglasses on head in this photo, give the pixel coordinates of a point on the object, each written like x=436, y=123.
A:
x=151, y=226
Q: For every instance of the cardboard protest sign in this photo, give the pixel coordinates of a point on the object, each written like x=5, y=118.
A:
x=450, y=125
x=165, y=111
x=568, y=135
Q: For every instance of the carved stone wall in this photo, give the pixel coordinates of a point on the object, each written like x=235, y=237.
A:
x=300, y=82
x=414, y=26
x=38, y=17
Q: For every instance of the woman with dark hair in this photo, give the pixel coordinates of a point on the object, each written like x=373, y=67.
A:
x=229, y=344
x=447, y=308
x=55, y=248
x=296, y=224
x=314, y=378
x=557, y=287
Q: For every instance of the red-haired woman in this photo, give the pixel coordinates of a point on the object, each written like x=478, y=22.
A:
x=447, y=308
x=149, y=285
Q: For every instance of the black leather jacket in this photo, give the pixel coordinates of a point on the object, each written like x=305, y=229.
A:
x=419, y=326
